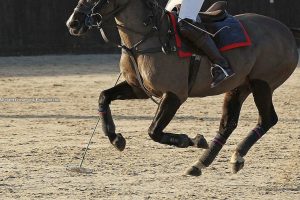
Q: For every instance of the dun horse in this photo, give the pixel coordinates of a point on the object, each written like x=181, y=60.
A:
x=260, y=69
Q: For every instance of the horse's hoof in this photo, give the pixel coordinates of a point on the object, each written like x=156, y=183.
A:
x=193, y=171
x=236, y=167
x=119, y=142
x=237, y=162
x=200, y=142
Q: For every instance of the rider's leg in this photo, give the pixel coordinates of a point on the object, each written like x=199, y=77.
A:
x=190, y=8
x=220, y=69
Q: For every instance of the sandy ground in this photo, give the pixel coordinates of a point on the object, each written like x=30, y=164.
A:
x=38, y=140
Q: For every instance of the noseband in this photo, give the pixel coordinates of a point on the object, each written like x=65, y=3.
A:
x=94, y=18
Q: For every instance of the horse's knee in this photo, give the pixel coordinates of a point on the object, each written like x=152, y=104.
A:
x=104, y=98
x=155, y=135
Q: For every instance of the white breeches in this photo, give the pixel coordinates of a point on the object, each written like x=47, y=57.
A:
x=189, y=8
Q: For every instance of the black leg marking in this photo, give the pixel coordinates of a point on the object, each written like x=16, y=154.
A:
x=267, y=116
x=231, y=111
x=122, y=91
x=167, y=108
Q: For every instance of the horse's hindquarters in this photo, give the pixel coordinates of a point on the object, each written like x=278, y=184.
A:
x=275, y=49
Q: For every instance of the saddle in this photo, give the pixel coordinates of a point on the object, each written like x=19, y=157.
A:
x=214, y=19
x=216, y=12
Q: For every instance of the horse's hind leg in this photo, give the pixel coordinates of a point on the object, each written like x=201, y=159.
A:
x=267, y=118
x=231, y=111
x=167, y=108
x=122, y=91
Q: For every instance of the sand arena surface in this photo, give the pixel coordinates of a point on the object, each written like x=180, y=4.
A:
x=38, y=139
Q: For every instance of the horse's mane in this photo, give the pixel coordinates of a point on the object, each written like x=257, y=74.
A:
x=162, y=3
x=111, y=31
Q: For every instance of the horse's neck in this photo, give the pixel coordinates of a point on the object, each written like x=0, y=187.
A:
x=132, y=18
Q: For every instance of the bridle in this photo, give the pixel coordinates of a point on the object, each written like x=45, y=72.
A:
x=96, y=19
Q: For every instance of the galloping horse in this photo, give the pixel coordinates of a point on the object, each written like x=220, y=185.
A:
x=260, y=69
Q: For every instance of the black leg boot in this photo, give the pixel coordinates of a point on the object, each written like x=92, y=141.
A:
x=220, y=69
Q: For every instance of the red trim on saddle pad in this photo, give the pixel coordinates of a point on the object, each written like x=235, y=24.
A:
x=239, y=44
x=181, y=53
x=184, y=54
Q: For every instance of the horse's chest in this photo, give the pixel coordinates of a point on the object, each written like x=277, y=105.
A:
x=128, y=71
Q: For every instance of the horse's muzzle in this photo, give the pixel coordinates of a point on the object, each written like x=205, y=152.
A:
x=74, y=24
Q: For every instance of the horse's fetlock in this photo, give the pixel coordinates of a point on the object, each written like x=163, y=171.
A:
x=237, y=162
x=200, y=165
x=155, y=135
x=184, y=141
x=236, y=157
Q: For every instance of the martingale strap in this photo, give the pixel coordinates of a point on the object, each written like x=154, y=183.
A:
x=195, y=60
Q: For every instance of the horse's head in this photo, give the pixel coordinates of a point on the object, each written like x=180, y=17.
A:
x=93, y=13
x=76, y=22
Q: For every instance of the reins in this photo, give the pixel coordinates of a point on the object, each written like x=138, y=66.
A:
x=95, y=19
x=158, y=13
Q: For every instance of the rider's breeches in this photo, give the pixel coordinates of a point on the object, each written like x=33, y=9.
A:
x=190, y=9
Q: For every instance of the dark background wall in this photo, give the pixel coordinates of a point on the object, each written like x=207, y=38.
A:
x=30, y=27
x=38, y=27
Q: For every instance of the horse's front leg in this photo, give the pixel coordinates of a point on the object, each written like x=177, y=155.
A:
x=122, y=91
x=167, y=108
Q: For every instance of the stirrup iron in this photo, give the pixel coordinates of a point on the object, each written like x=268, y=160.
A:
x=223, y=70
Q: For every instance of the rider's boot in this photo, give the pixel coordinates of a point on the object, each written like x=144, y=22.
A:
x=220, y=69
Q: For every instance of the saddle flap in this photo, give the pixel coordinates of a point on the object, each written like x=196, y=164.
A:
x=217, y=12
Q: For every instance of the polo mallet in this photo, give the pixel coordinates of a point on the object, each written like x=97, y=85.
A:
x=79, y=168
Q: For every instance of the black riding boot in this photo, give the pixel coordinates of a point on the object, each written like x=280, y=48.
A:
x=220, y=69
